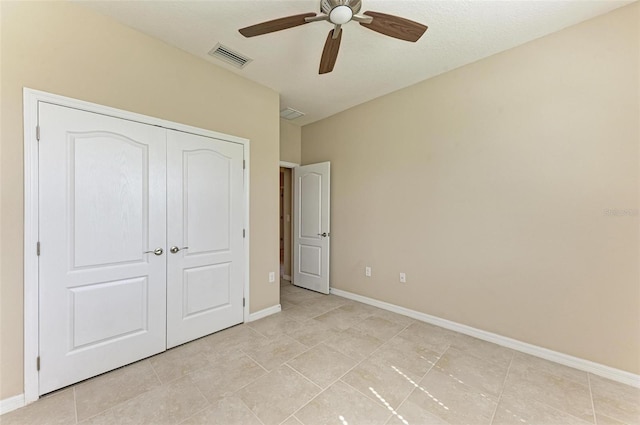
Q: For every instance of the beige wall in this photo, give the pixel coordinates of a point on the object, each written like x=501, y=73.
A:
x=290, y=142
x=65, y=49
x=488, y=186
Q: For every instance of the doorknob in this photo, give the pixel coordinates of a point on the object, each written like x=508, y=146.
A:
x=157, y=251
x=323, y=234
x=175, y=249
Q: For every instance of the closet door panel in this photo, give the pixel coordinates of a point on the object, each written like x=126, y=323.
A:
x=205, y=271
x=102, y=205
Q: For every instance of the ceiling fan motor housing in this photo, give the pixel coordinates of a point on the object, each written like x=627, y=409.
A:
x=326, y=6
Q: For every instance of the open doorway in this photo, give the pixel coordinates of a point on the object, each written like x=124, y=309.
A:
x=286, y=221
x=304, y=204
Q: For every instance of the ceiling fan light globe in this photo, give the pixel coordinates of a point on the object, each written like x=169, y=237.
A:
x=340, y=15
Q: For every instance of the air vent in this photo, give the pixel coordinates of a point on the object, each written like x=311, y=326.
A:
x=234, y=58
x=291, y=114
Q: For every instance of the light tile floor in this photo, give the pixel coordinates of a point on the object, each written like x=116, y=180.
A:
x=329, y=360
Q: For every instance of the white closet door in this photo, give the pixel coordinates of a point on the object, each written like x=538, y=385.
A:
x=205, y=215
x=102, y=205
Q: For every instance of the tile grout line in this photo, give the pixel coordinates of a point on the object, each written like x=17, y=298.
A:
x=558, y=409
x=477, y=356
x=433, y=365
x=322, y=390
x=333, y=383
x=302, y=307
x=235, y=393
x=279, y=335
x=389, y=340
x=127, y=400
x=341, y=376
x=162, y=383
x=198, y=411
x=142, y=393
x=289, y=417
x=207, y=404
x=311, y=346
x=155, y=372
x=371, y=353
x=101, y=413
x=363, y=359
x=249, y=383
x=593, y=405
x=248, y=408
x=504, y=382
x=260, y=334
x=257, y=331
x=423, y=376
x=293, y=369
x=75, y=403
x=305, y=404
x=256, y=362
x=370, y=398
x=359, y=363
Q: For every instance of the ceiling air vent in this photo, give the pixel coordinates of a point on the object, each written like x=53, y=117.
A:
x=234, y=58
x=290, y=114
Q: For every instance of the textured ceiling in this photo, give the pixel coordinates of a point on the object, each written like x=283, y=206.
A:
x=369, y=64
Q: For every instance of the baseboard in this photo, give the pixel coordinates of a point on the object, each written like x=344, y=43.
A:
x=554, y=356
x=12, y=403
x=264, y=313
x=286, y=277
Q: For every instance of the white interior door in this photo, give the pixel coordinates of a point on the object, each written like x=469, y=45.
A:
x=205, y=274
x=311, y=231
x=102, y=205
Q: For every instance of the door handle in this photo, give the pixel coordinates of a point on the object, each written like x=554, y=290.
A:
x=175, y=249
x=324, y=234
x=157, y=251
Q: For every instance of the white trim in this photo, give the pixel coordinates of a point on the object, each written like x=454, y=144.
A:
x=264, y=313
x=554, y=356
x=31, y=220
x=290, y=165
x=12, y=403
x=285, y=164
x=247, y=215
x=31, y=99
x=131, y=116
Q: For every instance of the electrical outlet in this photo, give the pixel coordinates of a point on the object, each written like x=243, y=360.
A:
x=272, y=277
x=403, y=278
x=367, y=271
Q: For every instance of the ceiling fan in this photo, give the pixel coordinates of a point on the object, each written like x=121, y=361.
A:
x=339, y=13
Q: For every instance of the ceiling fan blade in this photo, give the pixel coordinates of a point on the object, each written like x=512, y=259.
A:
x=395, y=26
x=330, y=52
x=276, y=25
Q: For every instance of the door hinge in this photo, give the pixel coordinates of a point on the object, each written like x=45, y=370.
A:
x=38, y=248
x=243, y=233
x=38, y=363
x=38, y=133
x=243, y=302
x=244, y=164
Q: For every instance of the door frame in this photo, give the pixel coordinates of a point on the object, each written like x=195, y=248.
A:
x=291, y=166
x=31, y=98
